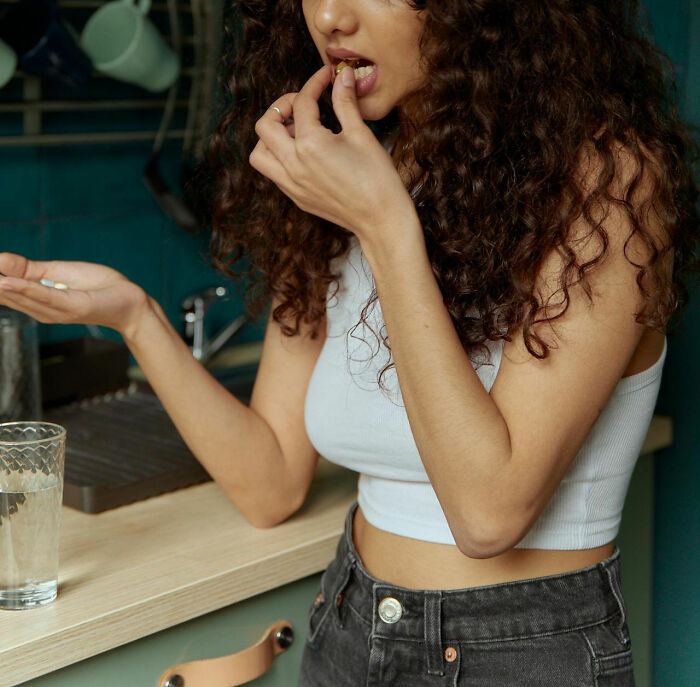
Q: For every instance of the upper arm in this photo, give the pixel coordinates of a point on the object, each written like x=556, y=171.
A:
x=550, y=405
x=279, y=393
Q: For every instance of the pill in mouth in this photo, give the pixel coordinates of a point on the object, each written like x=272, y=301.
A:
x=347, y=62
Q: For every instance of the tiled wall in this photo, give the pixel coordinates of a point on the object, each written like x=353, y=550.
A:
x=90, y=203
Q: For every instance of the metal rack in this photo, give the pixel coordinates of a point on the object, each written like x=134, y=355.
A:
x=193, y=29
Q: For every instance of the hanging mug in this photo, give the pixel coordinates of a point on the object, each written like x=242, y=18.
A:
x=44, y=43
x=8, y=63
x=125, y=45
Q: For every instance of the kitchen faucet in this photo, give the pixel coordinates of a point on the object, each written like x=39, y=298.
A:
x=194, y=309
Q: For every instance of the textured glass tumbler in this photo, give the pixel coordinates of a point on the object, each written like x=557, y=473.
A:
x=20, y=379
x=32, y=457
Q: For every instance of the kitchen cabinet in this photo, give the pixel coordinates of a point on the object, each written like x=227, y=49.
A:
x=140, y=663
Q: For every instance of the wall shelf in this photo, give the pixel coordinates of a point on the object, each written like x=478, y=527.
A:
x=38, y=113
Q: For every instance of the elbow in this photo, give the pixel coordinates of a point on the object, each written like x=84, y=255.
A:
x=481, y=549
x=487, y=540
x=262, y=522
x=267, y=519
x=265, y=524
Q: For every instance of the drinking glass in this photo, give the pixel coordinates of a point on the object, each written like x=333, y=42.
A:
x=20, y=377
x=32, y=457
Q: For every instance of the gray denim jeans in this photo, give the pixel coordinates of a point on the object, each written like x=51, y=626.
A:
x=564, y=630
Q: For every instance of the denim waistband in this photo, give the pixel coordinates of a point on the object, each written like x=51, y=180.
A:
x=506, y=610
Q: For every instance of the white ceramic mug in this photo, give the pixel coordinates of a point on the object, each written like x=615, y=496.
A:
x=125, y=45
x=8, y=63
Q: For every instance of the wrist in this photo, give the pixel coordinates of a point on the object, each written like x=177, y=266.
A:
x=393, y=237
x=141, y=310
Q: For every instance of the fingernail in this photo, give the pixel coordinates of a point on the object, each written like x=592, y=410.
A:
x=348, y=76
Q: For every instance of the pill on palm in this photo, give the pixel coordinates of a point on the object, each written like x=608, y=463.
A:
x=53, y=284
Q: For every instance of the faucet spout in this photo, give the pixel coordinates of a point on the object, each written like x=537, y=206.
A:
x=194, y=309
x=216, y=343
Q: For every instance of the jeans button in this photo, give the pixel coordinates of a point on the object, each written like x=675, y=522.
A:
x=390, y=610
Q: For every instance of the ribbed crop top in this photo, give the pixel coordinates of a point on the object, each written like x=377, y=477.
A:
x=354, y=423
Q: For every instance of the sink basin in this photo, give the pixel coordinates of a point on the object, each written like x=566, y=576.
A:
x=123, y=447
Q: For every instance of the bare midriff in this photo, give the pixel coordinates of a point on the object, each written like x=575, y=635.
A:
x=418, y=564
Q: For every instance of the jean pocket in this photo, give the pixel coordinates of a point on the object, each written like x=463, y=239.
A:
x=318, y=615
x=611, y=652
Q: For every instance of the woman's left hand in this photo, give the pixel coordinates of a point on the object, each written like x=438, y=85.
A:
x=347, y=178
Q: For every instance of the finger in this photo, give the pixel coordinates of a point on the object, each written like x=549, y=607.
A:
x=285, y=104
x=36, y=310
x=33, y=292
x=272, y=130
x=307, y=116
x=262, y=160
x=14, y=265
x=345, y=101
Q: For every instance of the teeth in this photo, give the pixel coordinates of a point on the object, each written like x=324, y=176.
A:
x=362, y=72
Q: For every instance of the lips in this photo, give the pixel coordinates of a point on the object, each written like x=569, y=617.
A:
x=337, y=55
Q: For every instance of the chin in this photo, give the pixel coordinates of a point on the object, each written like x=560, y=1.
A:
x=373, y=112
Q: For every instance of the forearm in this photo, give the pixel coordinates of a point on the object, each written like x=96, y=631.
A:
x=233, y=443
x=461, y=435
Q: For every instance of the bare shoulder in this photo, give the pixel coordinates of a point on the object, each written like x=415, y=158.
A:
x=633, y=174
x=620, y=230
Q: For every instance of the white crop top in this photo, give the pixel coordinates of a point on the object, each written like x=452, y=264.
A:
x=351, y=422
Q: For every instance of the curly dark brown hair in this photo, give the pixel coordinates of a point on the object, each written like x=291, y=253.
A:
x=517, y=91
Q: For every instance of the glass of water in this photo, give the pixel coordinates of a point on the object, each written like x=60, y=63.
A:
x=32, y=457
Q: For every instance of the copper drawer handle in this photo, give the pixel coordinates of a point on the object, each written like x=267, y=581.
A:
x=234, y=669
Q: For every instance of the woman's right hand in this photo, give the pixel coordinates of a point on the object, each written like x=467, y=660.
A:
x=96, y=295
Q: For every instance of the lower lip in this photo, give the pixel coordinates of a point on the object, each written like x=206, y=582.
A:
x=364, y=86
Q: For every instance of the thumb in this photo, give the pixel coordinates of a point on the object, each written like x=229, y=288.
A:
x=345, y=100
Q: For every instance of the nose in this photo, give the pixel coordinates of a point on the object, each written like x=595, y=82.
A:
x=335, y=15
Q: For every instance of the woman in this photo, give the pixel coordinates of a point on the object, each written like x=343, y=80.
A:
x=512, y=231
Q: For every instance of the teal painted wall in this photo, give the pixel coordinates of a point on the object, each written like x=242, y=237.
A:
x=676, y=593
x=89, y=203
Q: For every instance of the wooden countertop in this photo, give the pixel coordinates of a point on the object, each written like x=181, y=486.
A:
x=138, y=569
x=145, y=567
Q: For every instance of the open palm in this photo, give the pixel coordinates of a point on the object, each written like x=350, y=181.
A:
x=97, y=294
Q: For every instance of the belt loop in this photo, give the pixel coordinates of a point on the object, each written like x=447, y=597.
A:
x=432, y=631
x=614, y=581
x=337, y=599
